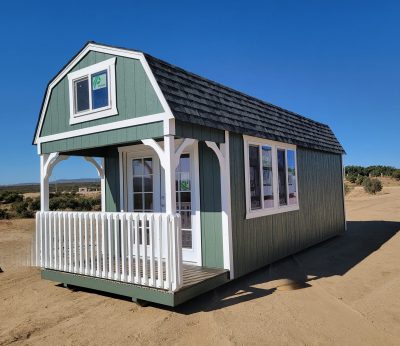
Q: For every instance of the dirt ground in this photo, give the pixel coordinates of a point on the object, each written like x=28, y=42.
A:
x=345, y=291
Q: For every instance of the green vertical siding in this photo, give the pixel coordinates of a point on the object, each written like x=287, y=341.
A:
x=135, y=96
x=95, y=140
x=202, y=133
x=111, y=163
x=210, y=208
x=260, y=241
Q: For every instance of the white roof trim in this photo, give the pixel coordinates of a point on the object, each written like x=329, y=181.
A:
x=108, y=50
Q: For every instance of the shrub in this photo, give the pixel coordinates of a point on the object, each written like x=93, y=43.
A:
x=4, y=214
x=34, y=205
x=11, y=197
x=396, y=174
x=360, y=179
x=372, y=186
x=347, y=188
x=351, y=178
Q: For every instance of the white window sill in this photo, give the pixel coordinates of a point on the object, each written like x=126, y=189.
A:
x=93, y=115
x=265, y=212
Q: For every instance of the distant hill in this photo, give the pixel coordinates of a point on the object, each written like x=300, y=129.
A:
x=56, y=185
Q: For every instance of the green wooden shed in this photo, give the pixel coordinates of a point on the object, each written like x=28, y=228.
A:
x=201, y=184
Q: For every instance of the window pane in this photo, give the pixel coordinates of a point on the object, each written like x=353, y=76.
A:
x=137, y=202
x=187, y=239
x=99, y=90
x=148, y=184
x=184, y=184
x=137, y=184
x=282, y=177
x=137, y=167
x=267, y=177
x=291, y=167
x=255, y=186
x=186, y=219
x=184, y=163
x=148, y=201
x=81, y=95
x=148, y=166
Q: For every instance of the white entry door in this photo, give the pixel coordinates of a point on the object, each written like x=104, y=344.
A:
x=146, y=193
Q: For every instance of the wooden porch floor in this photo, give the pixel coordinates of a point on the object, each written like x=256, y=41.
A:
x=193, y=275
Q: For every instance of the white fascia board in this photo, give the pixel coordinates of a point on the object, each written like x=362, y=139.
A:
x=108, y=50
x=148, y=119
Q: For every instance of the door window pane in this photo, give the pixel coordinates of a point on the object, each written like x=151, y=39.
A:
x=291, y=167
x=99, y=90
x=184, y=199
x=255, y=186
x=142, y=171
x=81, y=95
x=282, y=177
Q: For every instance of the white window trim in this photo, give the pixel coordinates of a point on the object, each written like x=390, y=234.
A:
x=250, y=214
x=93, y=114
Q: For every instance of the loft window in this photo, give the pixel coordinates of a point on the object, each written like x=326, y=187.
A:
x=92, y=92
x=271, y=177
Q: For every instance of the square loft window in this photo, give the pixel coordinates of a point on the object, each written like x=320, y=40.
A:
x=92, y=92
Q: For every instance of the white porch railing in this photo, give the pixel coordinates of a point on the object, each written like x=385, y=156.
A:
x=138, y=248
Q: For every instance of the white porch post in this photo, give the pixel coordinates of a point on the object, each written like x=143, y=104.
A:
x=44, y=183
x=169, y=168
x=224, y=164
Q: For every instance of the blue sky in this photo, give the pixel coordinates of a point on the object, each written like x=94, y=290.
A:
x=333, y=61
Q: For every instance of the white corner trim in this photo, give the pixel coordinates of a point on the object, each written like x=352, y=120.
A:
x=108, y=50
x=104, y=127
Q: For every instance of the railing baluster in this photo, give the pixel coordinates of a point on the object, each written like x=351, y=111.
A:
x=38, y=240
x=86, y=242
x=110, y=246
x=137, y=255
x=144, y=245
x=97, y=244
x=70, y=226
x=65, y=221
x=91, y=244
x=75, y=264
x=160, y=249
x=60, y=249
x=168, y=253
x=123, y=243
x=152, y=265
x=54, y=246
x=117, y=248
x=130, y=248
x=104, y=245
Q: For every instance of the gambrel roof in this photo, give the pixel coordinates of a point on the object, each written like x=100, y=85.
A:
x=197, y=100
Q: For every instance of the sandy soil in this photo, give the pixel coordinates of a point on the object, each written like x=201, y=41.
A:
x=345, y=291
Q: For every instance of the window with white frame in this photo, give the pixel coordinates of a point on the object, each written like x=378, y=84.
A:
x=92, y=92
x=271, y=177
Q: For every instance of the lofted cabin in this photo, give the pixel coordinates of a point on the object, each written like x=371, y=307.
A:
x=200, y=183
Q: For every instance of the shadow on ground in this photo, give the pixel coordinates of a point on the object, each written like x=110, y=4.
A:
x=332, y=257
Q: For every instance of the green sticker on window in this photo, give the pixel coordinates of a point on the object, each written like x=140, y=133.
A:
x=99, y=81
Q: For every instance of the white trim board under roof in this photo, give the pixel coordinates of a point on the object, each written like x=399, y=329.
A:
x=166, y=115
